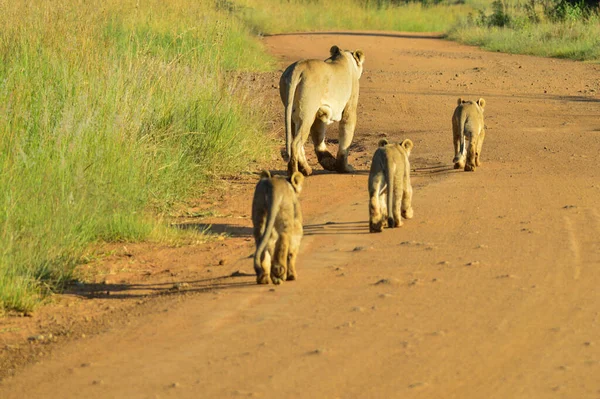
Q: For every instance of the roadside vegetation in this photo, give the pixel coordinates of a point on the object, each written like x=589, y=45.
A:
x=281, y=16
x=550, y=28
x=111, y=111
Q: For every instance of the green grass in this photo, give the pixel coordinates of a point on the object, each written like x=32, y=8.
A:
x=279, y=16
x=575, y=35
x=577, y=41
x=110, y=113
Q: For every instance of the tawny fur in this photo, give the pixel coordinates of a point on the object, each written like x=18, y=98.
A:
x=390, y=191
x=468, y=125
x=277, y=221
x=315, y=94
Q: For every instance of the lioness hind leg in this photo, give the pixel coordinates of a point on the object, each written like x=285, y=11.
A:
x=303, y=166
x=298, y=157
x=346, y=134
x=317, y=133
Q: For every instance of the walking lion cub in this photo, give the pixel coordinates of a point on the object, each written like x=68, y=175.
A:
x=390, y=191
x=277, y=221
x=467, y=123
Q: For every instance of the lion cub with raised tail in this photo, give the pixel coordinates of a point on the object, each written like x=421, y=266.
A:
x=277, y=221
x=467, y=123
x=390, y=191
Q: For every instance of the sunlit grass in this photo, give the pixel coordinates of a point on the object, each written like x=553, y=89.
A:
x=110, y=112
x=577, y=40
x=277, y=16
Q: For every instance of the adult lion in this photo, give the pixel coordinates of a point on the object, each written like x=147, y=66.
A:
x=315, y=94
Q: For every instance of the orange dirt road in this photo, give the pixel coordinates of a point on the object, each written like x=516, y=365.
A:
x=490, y=291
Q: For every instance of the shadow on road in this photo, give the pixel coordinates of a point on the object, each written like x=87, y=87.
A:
x=337, y=228
x=120, y=291
x=217, y=228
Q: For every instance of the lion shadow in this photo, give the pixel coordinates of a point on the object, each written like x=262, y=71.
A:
x=84, y=290
x=321, y=172
x=337, y=228
x=231, y=230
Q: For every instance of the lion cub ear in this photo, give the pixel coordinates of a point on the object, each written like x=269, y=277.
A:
x=408, y=146
x=359, y=56
x=459, y=101
x=334, y=50
x=481, y=103
x=265, y=174
x=382, y=142
x=296, y=181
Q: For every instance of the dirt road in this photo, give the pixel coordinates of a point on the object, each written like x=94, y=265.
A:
x=491, y=291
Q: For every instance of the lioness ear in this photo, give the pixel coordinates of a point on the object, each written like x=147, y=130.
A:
x=334, y=50
x=382, y=142
x=481, y=103
x=408, y=145
x=359, y=56
x=296, y=180
x=459, y=101
x=265, y=174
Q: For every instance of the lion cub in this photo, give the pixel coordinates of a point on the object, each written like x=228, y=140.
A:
x=277, y=221
x=467, y=122
x=390, y=174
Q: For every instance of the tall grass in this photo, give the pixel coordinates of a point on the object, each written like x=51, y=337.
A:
x=573, y=40
x=556, y=28
x=109, y=108
x=277, y=16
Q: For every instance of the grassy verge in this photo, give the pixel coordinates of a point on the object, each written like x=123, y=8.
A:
x=554, y=28
x=572, y=40
x=110, y=112
x=271, y=17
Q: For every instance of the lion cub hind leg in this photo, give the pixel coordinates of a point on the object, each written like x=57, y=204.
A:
x=295, y=245
x=479, y=147
x=471, y=157
x=280, y=261
x=407, y=210
x=395, y=216
x=377, y=199
x=376, y=217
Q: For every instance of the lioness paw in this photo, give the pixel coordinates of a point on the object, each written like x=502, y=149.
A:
x=276, y=280
x=262, y=279
x=376, y=227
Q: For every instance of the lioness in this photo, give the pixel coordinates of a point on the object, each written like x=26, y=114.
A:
x=277, y=221
x=467, y=122
x=390, y=174
x=316, y=93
